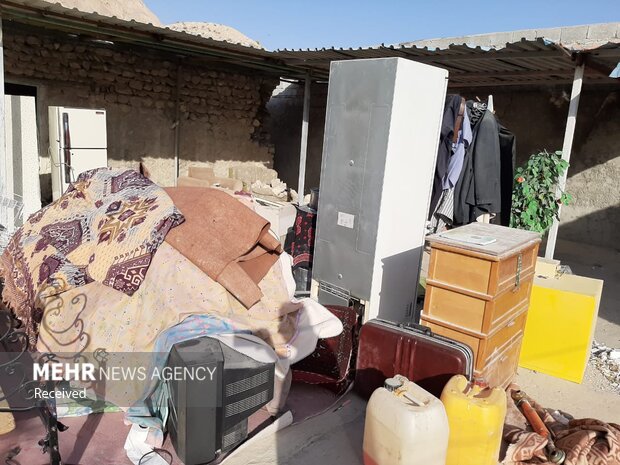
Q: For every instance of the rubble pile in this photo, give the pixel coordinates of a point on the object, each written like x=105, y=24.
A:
x=607, y=361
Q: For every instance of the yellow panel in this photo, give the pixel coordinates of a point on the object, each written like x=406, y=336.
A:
x=559, y=328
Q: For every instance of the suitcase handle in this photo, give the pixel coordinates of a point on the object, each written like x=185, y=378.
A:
x=423, y=329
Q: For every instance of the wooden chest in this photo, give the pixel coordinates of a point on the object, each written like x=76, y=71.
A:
x=479, y=294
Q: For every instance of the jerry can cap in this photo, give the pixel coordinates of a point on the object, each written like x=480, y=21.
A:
x=391, y=384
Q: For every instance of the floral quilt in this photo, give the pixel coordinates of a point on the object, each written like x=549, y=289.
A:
x=106, y=227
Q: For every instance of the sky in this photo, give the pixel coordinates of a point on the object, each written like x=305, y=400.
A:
x=279, y=24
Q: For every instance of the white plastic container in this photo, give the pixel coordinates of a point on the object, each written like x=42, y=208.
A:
x=405, y=425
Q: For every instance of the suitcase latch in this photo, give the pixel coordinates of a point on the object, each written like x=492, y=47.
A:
x=518, y=274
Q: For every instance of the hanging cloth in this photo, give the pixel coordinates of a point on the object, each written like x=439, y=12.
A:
x=453, y=117
x=460, y=141
x=485, y=183
x=455, y=138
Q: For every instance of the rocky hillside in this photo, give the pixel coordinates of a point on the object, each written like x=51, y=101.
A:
x=215, y=31
x=138, y=11
x=123, y=9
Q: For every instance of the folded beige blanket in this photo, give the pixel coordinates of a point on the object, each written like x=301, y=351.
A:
x=95, y=317
x=225, y=239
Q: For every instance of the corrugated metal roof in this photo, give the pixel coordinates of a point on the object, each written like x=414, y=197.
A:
x=581, y=37
x=530, y=61
x=55, y=16
x=526, y=62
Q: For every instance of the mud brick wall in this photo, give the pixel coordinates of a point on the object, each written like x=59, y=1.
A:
x=221, y=111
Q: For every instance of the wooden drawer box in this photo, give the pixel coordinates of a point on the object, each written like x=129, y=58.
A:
x=472, y=311
x=479, y=294
x=500, y=370
x=480, y=273
x=485, y=347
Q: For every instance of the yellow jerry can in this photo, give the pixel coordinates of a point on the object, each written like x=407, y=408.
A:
x=476, y=418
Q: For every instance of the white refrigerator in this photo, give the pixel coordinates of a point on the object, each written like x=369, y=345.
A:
x=78, y=143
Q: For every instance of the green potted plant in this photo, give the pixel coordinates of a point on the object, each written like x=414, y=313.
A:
x=535, y=201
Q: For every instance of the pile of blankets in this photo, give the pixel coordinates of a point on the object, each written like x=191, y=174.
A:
x=105, y=228
x=117, y=260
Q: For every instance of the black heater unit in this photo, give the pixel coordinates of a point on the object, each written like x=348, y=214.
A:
x=209, y=416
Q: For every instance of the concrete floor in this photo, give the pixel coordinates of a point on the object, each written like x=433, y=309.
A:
x=335, y=437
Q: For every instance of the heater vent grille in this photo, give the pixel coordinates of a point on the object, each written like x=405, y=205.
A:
x=235, y=435
x=246, y=384
x=334, y=290
x=249, y=403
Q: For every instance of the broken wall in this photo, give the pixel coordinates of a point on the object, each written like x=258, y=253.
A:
x=536, y=116
x=286, y=111
x=221, y=110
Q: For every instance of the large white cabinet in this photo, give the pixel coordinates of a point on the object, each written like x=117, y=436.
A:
x=379, y=151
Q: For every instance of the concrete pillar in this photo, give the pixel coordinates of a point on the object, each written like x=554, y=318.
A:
x=567, y=147
x=303, y=152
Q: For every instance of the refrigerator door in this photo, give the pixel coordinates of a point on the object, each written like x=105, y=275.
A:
x=84, y=160
x=87, y=128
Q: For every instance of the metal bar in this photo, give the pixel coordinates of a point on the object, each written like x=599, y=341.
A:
x=311, y=58
x=3, y=171
x=532, y=82
x=500, y=74
x=606, y=52
x=177, y=124
x=567, y=147
x=598, y=67
x=303, y=151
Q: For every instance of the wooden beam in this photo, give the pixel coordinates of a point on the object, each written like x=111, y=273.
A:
x=567, y=147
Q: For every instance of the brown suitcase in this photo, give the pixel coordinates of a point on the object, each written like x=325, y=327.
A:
x=386, y=349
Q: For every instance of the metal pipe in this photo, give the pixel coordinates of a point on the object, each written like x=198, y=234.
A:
x=3, y=171
x=177, y=124
x=554, y=454
x=303, y=151
x=569, y=136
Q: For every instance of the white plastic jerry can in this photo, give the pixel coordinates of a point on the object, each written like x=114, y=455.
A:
x=405, y=425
